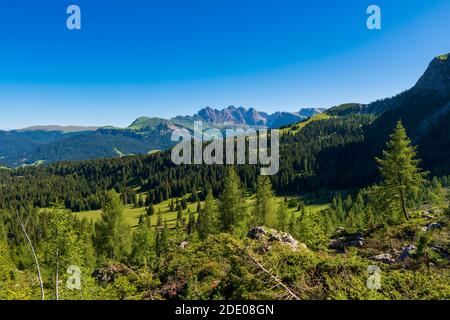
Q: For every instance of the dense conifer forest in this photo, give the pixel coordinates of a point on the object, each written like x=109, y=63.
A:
x=224, y=232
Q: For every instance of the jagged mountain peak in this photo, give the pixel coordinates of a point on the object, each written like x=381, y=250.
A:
x=241, y=116
x=435, y=82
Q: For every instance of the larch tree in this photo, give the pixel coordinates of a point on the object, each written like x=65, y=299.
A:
x=231, y=203
x=150, y=209
x=62, y=245
x=143, y=243
x=6, y=265
x=263, y=212
x=112, y=232
x=207, y=218
x=282, y=216
x=399, y=168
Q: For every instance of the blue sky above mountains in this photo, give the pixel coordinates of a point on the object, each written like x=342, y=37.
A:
x=163, y=58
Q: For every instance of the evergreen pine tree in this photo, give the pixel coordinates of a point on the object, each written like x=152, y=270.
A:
x=6, y=265
x=437, y=193
x=142, y=245
x=191, y=223
x=113, y=234
x=309, y=231
x=263, y=209
x=159, y=221
x=207, y=219
x=162, y=240
x=150, y=210
x=282, y=217
x=61, y=250
x=183, y=203
x=401, y=174
x=231, y=203
x=179, y=214
x=194, y=196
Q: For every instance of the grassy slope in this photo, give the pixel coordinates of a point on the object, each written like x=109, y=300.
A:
x=132, y=214
x=297, y=127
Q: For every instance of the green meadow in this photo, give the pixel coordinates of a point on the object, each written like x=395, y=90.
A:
x=132, y=214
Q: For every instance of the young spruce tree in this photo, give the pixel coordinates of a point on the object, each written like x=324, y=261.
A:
x=263, y=212
x=231, y=203
x=113, y=234
x=400, y=170
x=207, y=218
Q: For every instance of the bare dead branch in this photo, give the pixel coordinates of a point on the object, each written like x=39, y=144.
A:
x=41, y=284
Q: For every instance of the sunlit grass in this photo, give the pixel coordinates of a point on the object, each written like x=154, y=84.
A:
x=299, y=126
x=443, y=57
x=132, y=214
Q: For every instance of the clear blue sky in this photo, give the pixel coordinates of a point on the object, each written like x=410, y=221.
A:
x=169, y=57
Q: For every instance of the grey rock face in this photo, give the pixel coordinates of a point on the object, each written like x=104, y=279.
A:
x=384, y=258
x=108, y=273
x=347, y=240
x=437, y=76
x=270, y=235
x=433, y=226
x=406, y=252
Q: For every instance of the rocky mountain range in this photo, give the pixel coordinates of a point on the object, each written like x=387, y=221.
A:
x=52, y=143
x=240, y=116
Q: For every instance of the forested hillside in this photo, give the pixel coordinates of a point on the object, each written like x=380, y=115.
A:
x=361, y=189
x=210, y=232
x=49, y=144
x=81, y=184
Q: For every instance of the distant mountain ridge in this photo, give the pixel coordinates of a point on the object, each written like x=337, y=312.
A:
x=59, y=143
x=56, y=128
x=240, y=116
